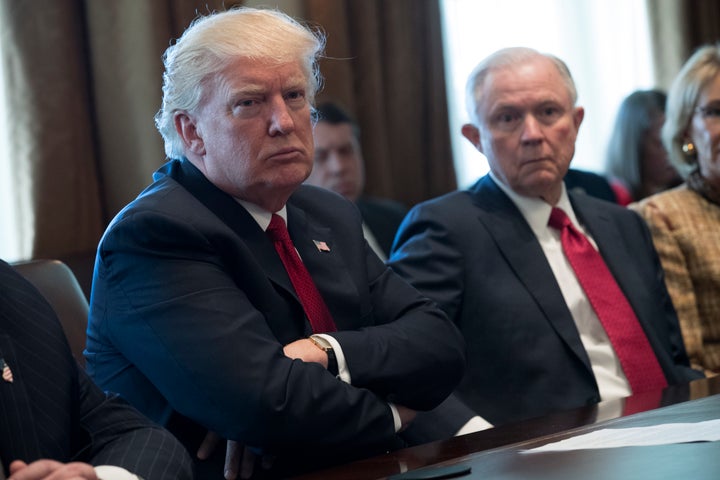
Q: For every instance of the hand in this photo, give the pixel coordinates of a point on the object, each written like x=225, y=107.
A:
x=51, y=470
x=407, y=415
x=306, y=351
x=238, y=457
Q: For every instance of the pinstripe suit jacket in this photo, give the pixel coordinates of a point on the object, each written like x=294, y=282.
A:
x=51, y=409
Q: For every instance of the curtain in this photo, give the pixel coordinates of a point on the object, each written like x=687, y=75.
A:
x=385, y=65
x=50, y=137
x=83, y=81
x=678, y=28
x=127, y=39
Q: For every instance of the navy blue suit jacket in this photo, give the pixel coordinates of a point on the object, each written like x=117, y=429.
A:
x=191, y=307
x=52, y=409
x=473, y=252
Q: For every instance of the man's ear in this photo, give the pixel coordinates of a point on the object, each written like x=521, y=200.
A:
x=190, y=134
x=472, y=133
x=578, y=116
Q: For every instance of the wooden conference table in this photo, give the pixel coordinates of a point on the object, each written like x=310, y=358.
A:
x=494, y=453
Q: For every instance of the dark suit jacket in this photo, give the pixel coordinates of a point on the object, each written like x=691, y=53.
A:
x=191, y=307
x=382, y=217
x=474, y=253
x=591, y=183
x=52, y=409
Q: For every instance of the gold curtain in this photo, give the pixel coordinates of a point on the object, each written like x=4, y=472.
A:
x=385, y=65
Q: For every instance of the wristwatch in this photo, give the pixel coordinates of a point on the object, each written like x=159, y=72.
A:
x=326, y=347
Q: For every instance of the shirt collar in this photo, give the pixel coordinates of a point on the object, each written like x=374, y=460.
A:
x=536, y=211
x=262, y=216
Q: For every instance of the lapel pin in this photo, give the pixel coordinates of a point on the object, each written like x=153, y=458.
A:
x=321, y=246
x=6, y=372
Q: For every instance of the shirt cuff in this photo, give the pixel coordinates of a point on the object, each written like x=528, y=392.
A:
x=396, y=417
x=111, y=472
x=343, y=372
x=475, y=424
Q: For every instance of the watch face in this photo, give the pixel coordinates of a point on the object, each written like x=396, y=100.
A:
x=321, y=342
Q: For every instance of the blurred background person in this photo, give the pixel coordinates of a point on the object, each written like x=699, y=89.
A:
x=339, y=166
x=685, y=221
x=637, y=162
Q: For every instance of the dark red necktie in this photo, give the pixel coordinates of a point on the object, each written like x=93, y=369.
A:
x=313, y=304
x=612, y=308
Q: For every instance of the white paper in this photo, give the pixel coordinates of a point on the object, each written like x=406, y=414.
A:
x=668, y=433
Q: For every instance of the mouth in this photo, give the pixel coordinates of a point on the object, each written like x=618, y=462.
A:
x=536, y=160
x=289, y=153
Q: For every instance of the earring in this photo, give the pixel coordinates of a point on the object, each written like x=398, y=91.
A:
x=689, y=150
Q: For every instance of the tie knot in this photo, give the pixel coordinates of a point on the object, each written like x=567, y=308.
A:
x=277, y=229
x=558, y=219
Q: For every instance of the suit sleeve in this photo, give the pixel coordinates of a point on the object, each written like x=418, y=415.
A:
x=121, y=436
x=425, y=253
x=413, y=354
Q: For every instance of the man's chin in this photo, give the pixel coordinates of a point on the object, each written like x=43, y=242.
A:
x=543, y=187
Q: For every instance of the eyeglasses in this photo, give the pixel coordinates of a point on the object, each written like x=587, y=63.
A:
x=709, y=113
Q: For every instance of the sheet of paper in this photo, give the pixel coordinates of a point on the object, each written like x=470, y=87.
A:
x=708, y=431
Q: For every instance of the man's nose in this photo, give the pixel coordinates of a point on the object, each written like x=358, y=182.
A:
x=281, y=121
x=531, y=130
x=335, y=162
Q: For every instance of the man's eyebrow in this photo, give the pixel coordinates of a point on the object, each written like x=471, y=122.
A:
x=247, y=89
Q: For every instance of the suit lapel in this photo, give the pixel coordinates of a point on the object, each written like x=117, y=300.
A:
x=322, y=265
x=326, y=266
x=232, y=214
x=521, y=250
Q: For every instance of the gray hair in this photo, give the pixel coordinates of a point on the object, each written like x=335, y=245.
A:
x=701, y=68
x=211, y=41
x=504, y=58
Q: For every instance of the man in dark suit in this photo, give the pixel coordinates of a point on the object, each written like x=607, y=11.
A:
x=195, y=319
x=489, y=258
x=54, y=419
x=339, y=166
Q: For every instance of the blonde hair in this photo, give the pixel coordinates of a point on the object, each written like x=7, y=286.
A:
x=701, y=68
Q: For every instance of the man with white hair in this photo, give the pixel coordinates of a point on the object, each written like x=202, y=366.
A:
x=559, y=295
x=230, y=297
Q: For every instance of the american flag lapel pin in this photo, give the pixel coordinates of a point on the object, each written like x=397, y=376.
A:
x=321, y=246
x=6, y=372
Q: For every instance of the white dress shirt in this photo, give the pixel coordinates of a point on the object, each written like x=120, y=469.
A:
x=605, y=363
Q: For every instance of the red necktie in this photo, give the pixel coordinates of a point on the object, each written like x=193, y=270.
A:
x=612, y=308
x=313, y=304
